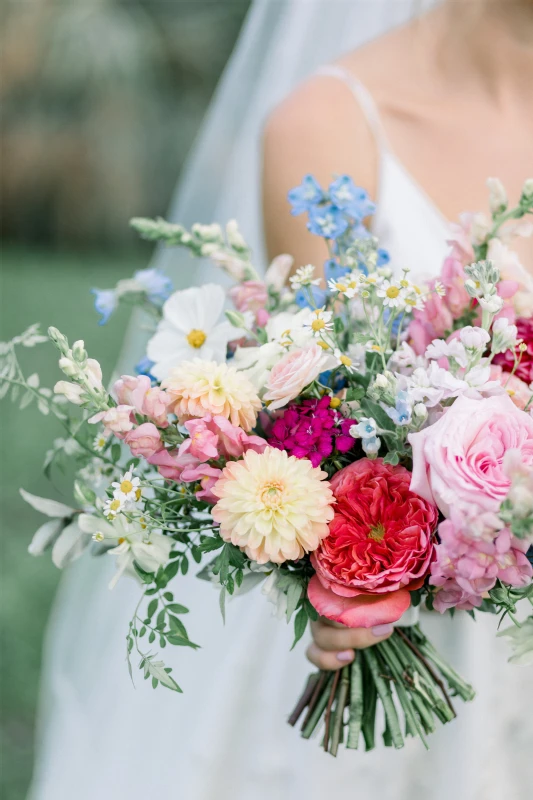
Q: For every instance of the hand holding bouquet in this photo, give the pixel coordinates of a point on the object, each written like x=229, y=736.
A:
x=361, y=446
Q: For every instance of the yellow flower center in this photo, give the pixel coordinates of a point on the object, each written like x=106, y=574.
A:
x=340, y=287
x=126, y=487
x=98, y=536
x=377, y=532
x=334, y=402
x=272, y=494
x=323, y=345
x=404, y=284
x=318, y=325
x=138, y=494
x=121, y=540
x=114, y=505
x=196, y=337
x=101, y=442
x=392, y=292
x=346, y=360
x=410, y=301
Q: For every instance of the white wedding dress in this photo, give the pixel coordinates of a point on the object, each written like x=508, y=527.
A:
x=226, y=737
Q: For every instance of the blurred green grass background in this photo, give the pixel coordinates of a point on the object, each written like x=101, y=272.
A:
x=51, y=289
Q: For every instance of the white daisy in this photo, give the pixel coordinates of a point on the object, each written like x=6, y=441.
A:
x=392, y=293
x=193, y=326
x=320, y=321
x=113, y=506
x=128, y=488
x=343, y=360
x=99, y=442
x=304, y=277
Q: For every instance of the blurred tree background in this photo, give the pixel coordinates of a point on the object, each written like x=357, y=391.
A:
x=101, y=102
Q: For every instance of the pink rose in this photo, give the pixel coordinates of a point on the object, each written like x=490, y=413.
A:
x=458, y=461
x=117, y=420
x=293, y=372
x=144, y=441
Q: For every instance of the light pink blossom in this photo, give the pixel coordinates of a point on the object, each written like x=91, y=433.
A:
x=249, y=296
x=458, y=461
x=117, y=420
x=207, y=477
x=170, y=463
x=292, y=373
x=147, y=401
x=144, y=441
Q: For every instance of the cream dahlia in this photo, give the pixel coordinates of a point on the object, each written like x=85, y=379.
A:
x=275, y=506
x=200, y=387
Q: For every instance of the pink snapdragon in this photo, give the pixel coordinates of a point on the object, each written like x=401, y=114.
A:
x=170, y=463
x=145, y=440
x=216, y=437
x=147, y=400
x=207, y=477
x=117, y=420
x=249, y=296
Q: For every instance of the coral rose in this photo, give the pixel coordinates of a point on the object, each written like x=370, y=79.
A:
x=458, y=461
x=379, y=548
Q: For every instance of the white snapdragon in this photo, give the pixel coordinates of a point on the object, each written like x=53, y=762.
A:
x=493, y=303
x=474, y=339
x=497, y=195
x=72, y=391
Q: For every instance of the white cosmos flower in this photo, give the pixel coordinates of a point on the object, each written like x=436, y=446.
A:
x=132, y=543
x=193, y=326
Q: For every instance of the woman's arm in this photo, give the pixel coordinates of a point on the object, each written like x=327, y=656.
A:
x=319, y=129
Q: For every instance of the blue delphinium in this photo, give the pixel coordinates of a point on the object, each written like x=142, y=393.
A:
x=306, y=196
x=383, y=257
x=144, y=366
x=105, y=302
x=333, y=271
x=302, y=299
x=327, y=221
x=155, y=283
x=350, y=198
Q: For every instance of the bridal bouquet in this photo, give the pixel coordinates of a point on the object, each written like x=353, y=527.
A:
x=359, y=446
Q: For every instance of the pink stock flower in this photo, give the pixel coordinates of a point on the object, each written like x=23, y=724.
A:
x=117, y=420
x=467, y=567
x=379, y=548
x=518, y=391
x=147, y=401
x=207, y=477
x=292, y=373
x=144, y=441
x=458, y=461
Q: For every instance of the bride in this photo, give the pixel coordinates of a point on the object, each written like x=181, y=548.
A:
x=420, y=117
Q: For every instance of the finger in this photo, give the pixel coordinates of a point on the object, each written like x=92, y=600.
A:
x=339, y=639
x=324, y=659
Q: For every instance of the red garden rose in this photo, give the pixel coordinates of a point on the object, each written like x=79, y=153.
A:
x=379, y=548
x=524, y=371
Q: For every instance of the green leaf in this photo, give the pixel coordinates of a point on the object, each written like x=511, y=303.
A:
x=151, y=638
x=181, y=641
x=184, y=565
x=161, y=621
x=338, y=325
x=152, y=607
x=222, y=603
x=168, y=596
x=172, y=569
x=176, y=608
x=177, y=626
x=294, y=593
x=156, y=670
x=212, y=543
x=146, y=577
x=300, y=624
x=392, y=458
x=354, y=393
x=116, y=450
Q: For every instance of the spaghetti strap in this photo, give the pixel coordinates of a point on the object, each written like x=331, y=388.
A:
x=364, y=100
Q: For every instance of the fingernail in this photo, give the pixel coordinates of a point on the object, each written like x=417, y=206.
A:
x=382, y=630
x=345, y=656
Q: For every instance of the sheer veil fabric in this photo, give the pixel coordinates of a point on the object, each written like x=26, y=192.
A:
x=226, y=736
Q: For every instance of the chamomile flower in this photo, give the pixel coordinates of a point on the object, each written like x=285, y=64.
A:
x=128, y=488
x=99, y=442
x=439, y=289
x=343, y=360
x=113, y=506
x=320, y=321
x=304, y=277
x=392, y=293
